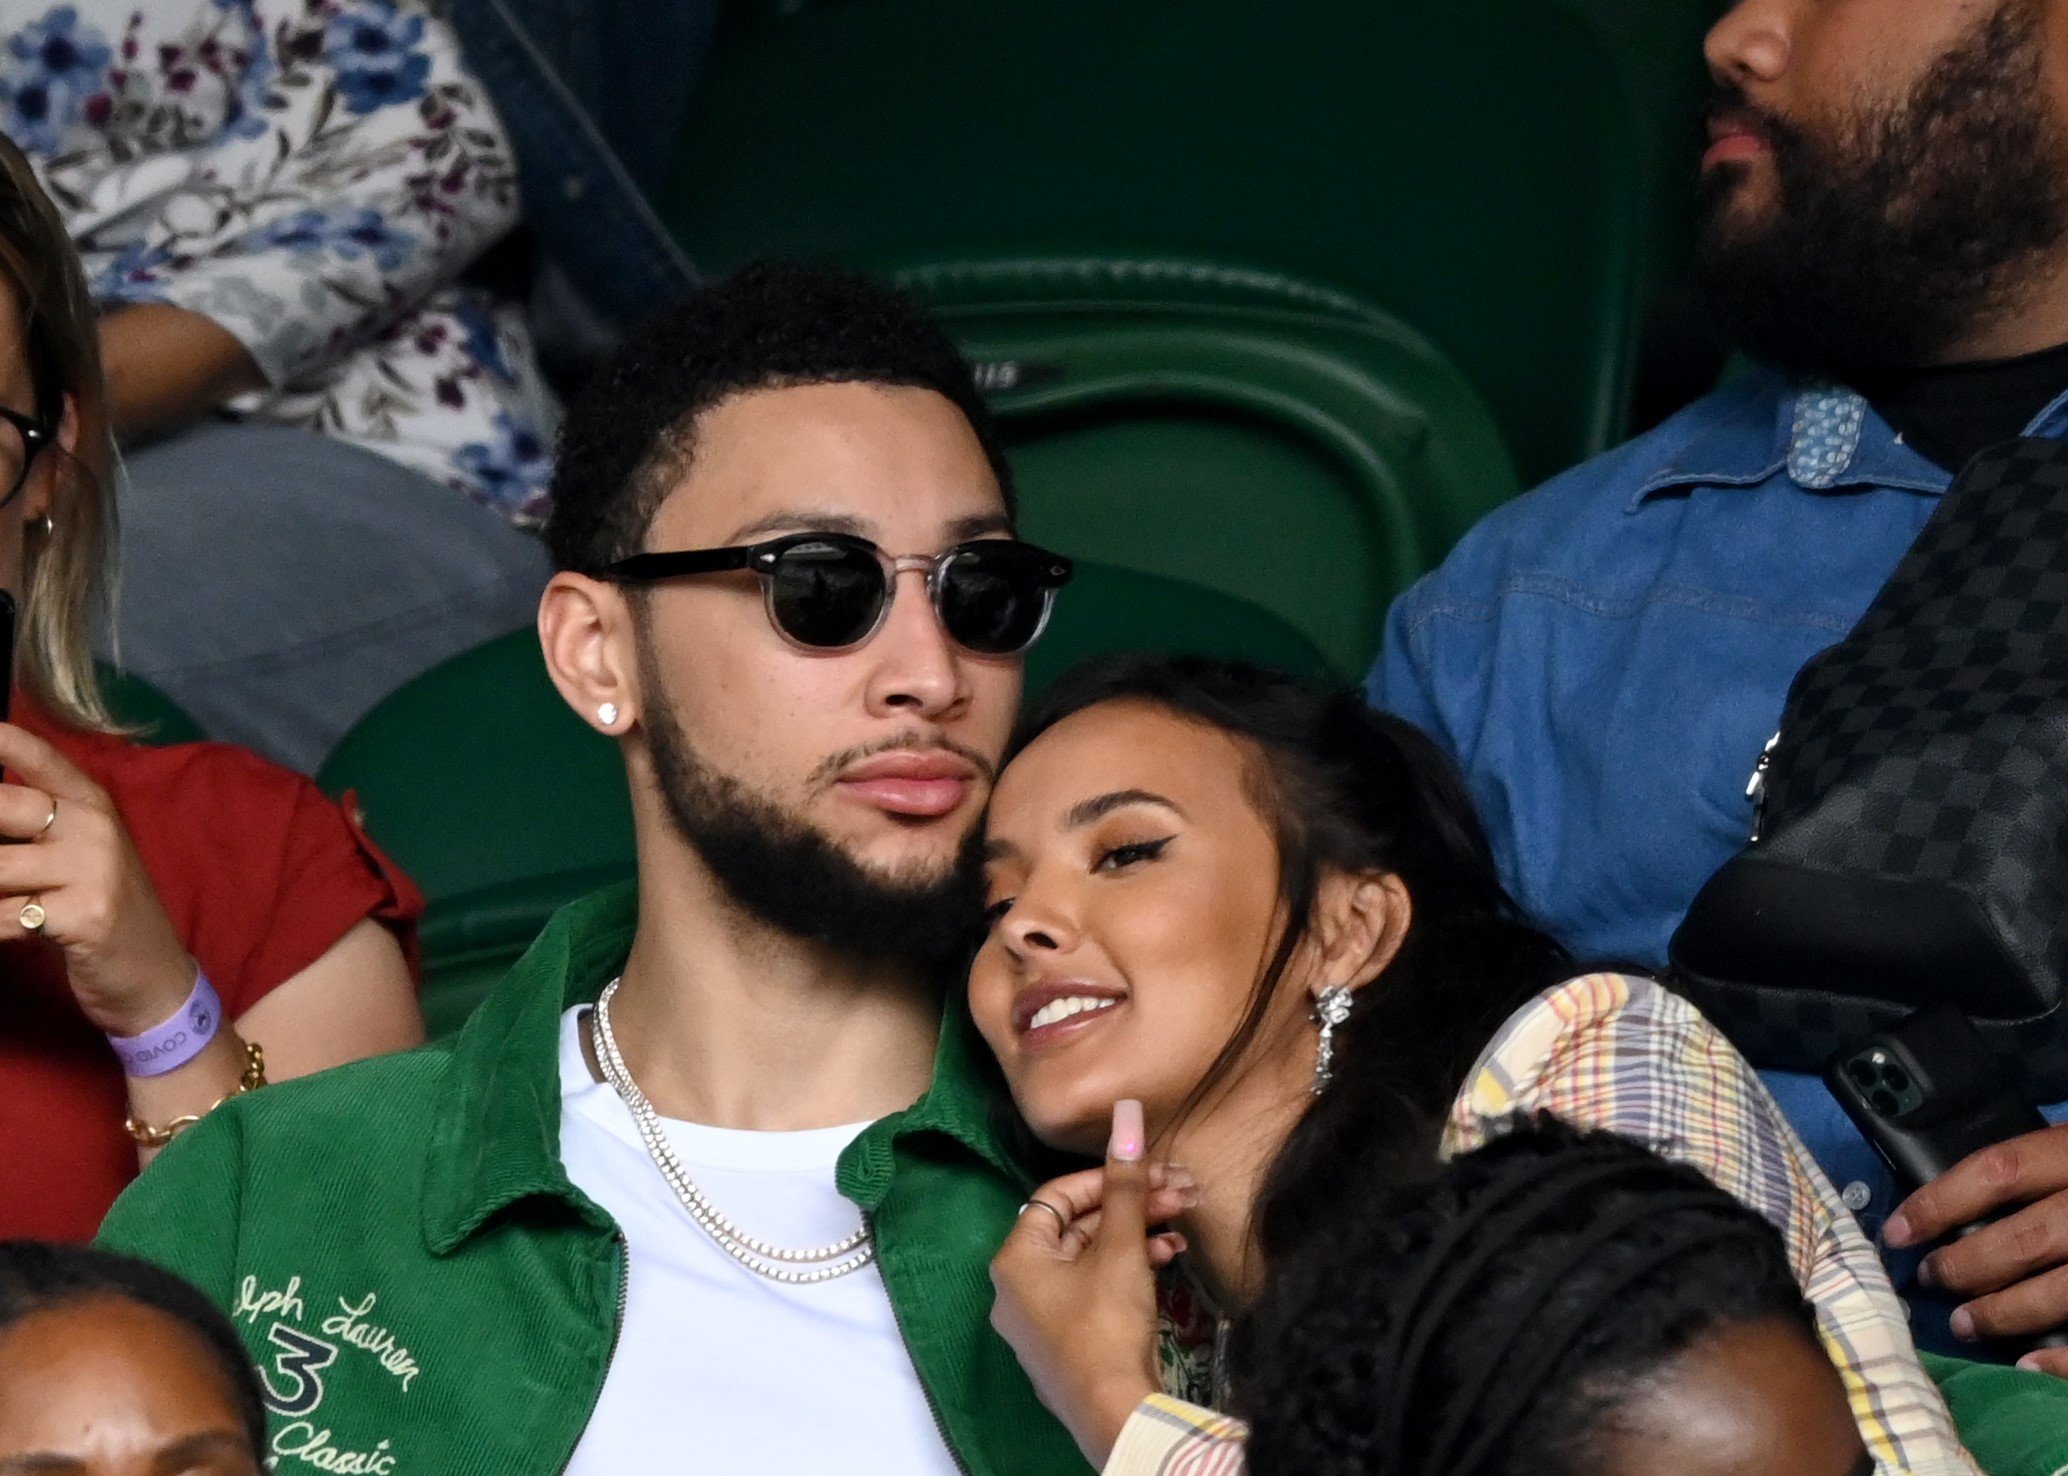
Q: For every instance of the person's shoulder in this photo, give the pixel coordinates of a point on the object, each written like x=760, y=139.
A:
x=195, y=771
x=395, y=1091
x=1563, y=521
x=1587, y=1005
x=335, y=1124
x=297, y=1159
x=217, y=793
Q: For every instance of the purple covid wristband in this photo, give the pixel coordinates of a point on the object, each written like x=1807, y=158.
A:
x=179, y=1040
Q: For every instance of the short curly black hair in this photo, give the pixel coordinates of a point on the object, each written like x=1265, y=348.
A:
x=36, y=1276
x=1491, y=1322
x=630, y=431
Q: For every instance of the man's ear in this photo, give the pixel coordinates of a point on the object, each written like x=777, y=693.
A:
x=1360, y=921
x=585, y=632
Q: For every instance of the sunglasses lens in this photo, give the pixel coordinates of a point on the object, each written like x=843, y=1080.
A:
x=825, y=594
x=995, y=597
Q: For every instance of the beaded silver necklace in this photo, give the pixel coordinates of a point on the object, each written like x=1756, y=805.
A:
x=792, y=1267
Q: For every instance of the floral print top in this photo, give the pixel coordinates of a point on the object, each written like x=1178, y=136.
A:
x=313, y=175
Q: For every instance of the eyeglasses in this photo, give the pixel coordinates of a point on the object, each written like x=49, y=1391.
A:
x=21, y=438
x=832, y=591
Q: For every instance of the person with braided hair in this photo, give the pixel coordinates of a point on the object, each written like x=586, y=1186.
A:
x=1249, y=933
x=1556, y=1303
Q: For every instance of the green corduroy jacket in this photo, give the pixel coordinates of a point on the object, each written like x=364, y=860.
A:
x=426, y=1293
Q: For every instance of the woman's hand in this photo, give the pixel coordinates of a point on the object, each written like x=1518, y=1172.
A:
x=127, y=967
x=1077, y=1288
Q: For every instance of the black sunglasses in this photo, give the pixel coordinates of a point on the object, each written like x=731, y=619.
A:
x=831, y=591
x=34, y=435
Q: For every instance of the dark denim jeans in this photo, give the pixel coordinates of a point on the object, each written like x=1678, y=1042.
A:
x=593, y=92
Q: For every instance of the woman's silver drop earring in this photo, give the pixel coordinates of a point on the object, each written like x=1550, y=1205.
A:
x=1331, y=1008
x=607, y=714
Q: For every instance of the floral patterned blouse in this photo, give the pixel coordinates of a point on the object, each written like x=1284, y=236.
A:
x=313, y=175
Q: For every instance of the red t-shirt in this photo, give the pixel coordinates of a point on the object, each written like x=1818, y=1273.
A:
x=260, y=875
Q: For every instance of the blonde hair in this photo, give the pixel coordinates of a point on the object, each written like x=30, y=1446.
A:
x=68, y=563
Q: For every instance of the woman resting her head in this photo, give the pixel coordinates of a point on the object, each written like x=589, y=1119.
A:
x=1555, y=1303
x=1263, y=920
x=176, y=924
x=111, y=1367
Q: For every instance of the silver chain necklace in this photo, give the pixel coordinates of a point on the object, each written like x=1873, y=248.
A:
x=792, y=1267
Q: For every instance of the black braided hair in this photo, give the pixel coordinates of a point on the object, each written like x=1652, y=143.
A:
x=36, y=1276
x=1491, y=1322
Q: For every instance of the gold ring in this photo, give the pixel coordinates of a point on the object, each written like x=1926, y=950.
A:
x=1062, y=1220
x=48, y=823
x=32, y=916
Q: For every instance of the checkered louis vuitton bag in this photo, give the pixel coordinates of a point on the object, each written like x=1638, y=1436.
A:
x=1910, y=845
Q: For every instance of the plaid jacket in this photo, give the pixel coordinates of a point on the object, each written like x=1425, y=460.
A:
x=1618, y=1052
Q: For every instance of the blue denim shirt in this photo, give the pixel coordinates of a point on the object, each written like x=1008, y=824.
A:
x=1606, y=656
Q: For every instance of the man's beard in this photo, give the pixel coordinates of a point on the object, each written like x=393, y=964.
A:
x=1888, y=246
x=790, y=876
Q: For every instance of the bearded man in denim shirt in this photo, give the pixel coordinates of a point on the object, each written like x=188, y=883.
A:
x=1885, y=232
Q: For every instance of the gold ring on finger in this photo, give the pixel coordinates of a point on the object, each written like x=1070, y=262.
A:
x=32, y=916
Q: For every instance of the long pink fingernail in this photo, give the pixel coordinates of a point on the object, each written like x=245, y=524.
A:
x=1128, y=1132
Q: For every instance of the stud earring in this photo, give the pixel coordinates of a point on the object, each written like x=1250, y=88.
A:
x=42, y=526
x=607, y=714
x=1331, y=1008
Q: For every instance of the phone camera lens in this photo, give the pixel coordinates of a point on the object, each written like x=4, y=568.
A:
x=1895, y=1078
x=1862, y=1071
x=1884, y=1102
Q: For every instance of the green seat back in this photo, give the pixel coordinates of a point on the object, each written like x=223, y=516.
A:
x=1467, y=163
x=1657, y=45
x=1250, y=433
x=503, y=805
x=154, y=717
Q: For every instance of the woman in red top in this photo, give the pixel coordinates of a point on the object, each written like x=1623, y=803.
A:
x=134, y=873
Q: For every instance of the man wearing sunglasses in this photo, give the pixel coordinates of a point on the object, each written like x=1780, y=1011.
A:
x=709, y=1184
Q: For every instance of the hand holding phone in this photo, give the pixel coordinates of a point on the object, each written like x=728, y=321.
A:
x=1928, y=1095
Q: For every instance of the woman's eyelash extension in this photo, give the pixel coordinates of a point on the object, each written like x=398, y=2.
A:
x=998, y=909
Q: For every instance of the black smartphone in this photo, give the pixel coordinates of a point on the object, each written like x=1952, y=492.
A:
x=1926, y=1094
x=1929, y=1092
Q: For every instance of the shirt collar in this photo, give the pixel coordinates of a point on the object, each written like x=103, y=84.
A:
x=496, y=1137
x=1824, y=437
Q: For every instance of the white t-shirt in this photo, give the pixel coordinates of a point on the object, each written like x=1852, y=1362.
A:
x=719, y=1370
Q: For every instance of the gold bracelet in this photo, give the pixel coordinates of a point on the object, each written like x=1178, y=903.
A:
x=146, y=1136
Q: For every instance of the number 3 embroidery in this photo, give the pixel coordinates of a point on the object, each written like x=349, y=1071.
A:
x=300, y=1361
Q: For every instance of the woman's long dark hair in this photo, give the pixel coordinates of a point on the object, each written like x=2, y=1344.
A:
x=1346, y=788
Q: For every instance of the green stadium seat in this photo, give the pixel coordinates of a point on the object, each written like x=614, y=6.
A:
x=1239, y=430
x=152, y=716
x=1469, y=164
x=503, y=805
x=1657, y=45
